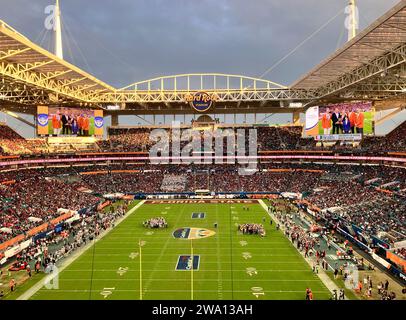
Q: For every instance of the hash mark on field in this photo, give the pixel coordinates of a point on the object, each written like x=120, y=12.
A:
x=219, y=274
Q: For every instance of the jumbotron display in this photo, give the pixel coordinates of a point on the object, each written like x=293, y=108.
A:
x=74, y=122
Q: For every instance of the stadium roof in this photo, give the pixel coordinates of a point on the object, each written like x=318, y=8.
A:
x=386, y=36
x=24, y=64
x=371, y=66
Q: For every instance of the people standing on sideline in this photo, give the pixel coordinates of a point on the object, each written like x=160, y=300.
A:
x=12, y=285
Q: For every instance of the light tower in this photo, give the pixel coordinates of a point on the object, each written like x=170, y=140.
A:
x=58, y=32
x=352, y=19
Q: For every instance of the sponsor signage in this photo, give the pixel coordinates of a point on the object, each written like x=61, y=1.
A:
x=201, y=101
x=339, y=137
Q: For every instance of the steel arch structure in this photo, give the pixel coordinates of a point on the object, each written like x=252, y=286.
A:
x=204, y=82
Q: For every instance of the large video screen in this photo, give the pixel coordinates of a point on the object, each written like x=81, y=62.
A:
x=61, y=121
x=346, y=118
x=342, y=118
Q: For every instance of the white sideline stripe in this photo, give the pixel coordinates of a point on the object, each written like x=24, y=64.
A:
x=201, y=270
x=35, y=288
x=203, y=279
x=216, y=255
x=187, y=291
x=168, y=262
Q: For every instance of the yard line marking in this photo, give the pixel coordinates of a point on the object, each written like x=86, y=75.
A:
x=219, y=273
x=157, y=261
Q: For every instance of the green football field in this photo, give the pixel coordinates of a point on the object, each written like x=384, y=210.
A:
x=231, y=265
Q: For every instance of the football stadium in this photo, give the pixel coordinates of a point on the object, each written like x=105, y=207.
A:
x=202, y=185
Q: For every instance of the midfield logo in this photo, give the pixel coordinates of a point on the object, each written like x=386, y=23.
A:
x=192, y=233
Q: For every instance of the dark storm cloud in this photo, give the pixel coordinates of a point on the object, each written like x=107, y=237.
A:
x=123, y=41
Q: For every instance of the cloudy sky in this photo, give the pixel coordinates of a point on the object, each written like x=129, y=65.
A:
x=123, y=41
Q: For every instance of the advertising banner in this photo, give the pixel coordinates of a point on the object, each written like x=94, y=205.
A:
x=42, y=120
x=312, y=121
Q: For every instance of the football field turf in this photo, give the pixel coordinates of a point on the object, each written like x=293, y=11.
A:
x=230, y=265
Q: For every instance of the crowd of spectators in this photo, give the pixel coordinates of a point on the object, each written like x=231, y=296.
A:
x=38, y=198
x=283, y=138
x=401, y=252
x=45, y=252
x=137, y=139
x=12, y=143
x=40, y=192
x=393, y=141
x=127, y=140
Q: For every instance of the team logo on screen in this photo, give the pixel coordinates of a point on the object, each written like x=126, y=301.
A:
x=98, y=122
x=201, y=101
x=42, y=119
x=192, y=233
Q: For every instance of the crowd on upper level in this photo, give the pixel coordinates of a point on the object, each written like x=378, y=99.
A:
x=269, y=138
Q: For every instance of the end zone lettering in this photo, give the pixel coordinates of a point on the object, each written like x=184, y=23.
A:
x=191, y=201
